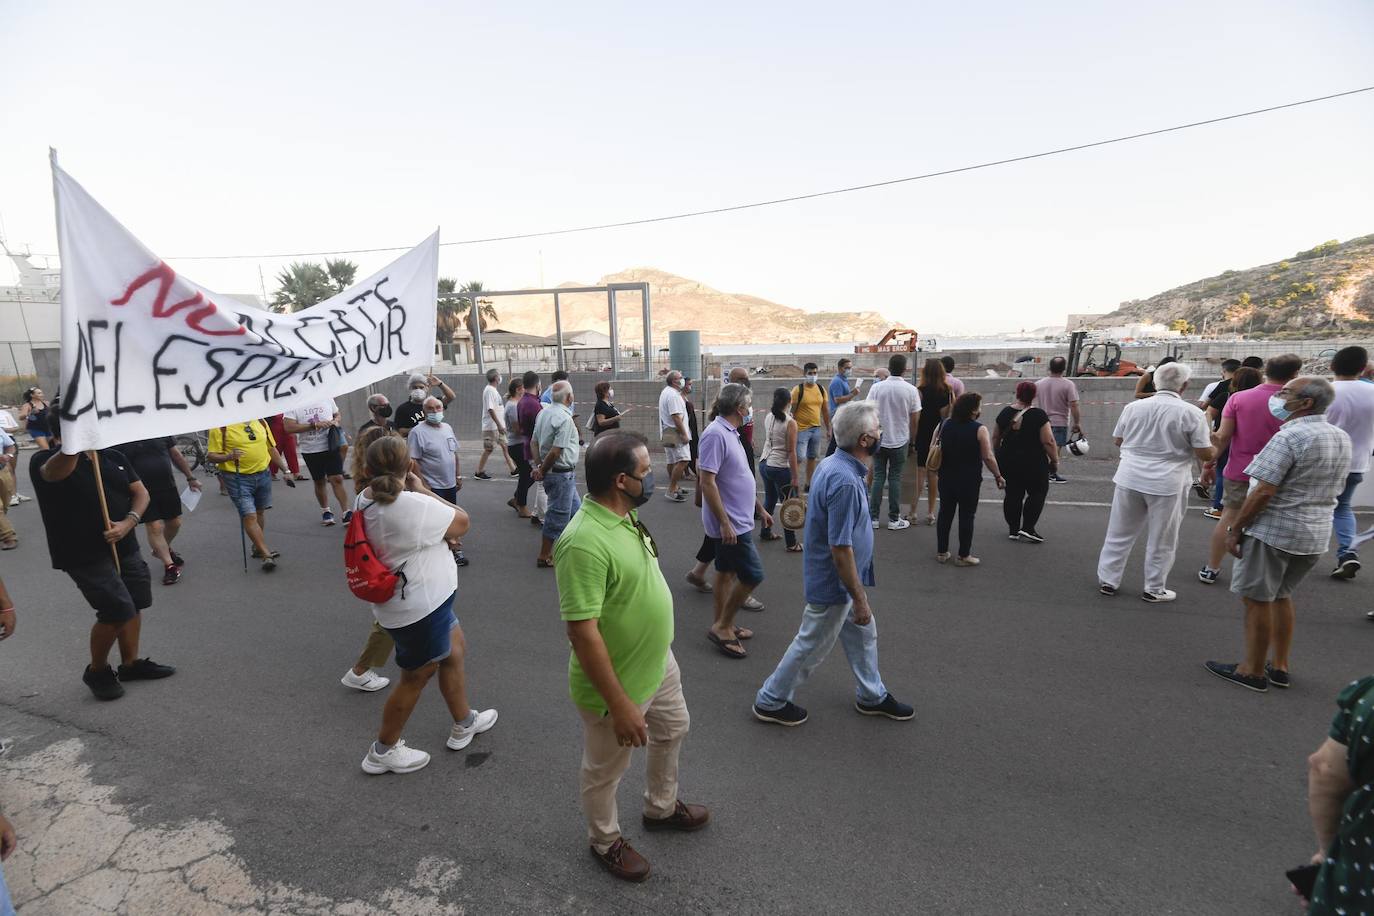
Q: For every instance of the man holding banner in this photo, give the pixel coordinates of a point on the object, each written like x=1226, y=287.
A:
x=78, y=495
x=244, y=451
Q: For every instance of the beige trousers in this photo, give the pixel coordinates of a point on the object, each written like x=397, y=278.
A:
x=604, y=761
x=6, y=494
x=377, y=651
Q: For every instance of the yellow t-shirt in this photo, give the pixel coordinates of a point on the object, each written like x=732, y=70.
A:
x=253, y=437
x=806, y=408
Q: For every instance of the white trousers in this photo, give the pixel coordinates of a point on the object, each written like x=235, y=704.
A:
x=1133, y=512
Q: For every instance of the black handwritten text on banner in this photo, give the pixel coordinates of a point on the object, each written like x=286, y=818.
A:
x=146, y=352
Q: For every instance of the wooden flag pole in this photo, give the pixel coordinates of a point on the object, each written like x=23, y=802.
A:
x=104, y=506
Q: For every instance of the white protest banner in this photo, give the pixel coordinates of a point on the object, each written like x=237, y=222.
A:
x=146, y=352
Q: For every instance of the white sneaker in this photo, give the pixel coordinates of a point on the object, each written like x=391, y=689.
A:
x=1159, y=597
x=461, y=737
x=369, y=680
x=400, y=759
x=875, y=524
x=898, y=525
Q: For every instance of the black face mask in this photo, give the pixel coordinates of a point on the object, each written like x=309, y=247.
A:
x=868, y=450
x=384, y=411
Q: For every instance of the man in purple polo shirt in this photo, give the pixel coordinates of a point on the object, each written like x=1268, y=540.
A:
x=729, y=501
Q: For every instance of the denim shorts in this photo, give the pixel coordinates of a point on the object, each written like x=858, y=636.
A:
x=251, y=493
x=740, y=558
x=809, y=442
x=1061, y=435
x=427, y=640
x=561, y=489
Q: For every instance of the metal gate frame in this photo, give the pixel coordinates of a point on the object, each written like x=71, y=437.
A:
x=610, y=290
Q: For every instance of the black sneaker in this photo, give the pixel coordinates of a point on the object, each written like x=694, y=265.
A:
x=1055, y=478
x=482, y=475
x=177, y=561
x=1202, y=490
x=1108, y=590
x=1014, y=536
x=1276, y=677
x=888, y=707
x=145, y=669
x=1346, y=568
x=790, y=714
x=1030, y=534
x=348, y=516
x=104, y=683
x=1228, y=673
x=171, y=575
x=459, y=559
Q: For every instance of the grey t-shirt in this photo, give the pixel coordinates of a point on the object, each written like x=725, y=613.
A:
x=434, y=449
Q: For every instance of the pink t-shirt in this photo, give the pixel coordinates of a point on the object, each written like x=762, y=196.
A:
x=1255, y=426
x=1054, y=394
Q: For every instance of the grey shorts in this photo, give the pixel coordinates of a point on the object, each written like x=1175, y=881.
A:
x=1233, y=493
x=1265, y=573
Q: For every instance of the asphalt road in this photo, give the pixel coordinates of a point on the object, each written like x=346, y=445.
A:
x=1070, y=754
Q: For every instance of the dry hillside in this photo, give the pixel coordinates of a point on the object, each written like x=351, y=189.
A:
x=682, y=304
x=1326, y=290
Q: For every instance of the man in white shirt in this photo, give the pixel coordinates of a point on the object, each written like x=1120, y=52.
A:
x=899, y=406
x=1352, y=411
x=673, y=433
x=312, y=426
x=493, y=426
x=1159, y=437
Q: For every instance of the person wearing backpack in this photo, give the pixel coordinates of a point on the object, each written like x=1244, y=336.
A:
x=1024, y=443
x=401, y=538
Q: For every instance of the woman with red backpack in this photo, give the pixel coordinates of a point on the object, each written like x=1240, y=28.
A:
x=401, y=561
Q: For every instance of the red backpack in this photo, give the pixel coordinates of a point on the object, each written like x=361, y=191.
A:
x=368, y=577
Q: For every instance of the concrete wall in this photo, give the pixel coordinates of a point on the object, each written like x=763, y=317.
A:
x=1101, y=401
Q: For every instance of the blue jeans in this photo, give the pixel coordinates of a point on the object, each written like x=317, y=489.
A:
x=775, y=484
x=561, y=489
x=887, y=468
x=250, y=493
x=809, y=442
x=821, y=625
x=1343, y=519
x=1219, y=485
x=6, y=907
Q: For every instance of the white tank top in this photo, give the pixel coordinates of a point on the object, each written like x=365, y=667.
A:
x=775, y=442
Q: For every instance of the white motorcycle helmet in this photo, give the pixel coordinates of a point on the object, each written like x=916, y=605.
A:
x=1079, y=447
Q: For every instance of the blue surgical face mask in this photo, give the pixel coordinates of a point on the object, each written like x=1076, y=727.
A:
x=646, y=489
x=844, y=373
x=811, y=379
x=1277, y=408
x=436, y=417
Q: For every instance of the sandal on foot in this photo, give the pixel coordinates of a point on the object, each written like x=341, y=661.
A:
x=730, y=648
x=770, y=536
x=795, y=548
x=543, y=564
x=743, y=633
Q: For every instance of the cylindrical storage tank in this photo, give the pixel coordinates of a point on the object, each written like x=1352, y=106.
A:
x=684, y=352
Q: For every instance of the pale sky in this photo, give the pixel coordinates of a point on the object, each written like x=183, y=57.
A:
x=284, y=127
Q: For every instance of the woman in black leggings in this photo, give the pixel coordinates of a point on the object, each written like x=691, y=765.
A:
x=1027, y=455
x=965, y=447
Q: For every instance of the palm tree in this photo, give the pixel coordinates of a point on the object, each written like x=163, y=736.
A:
x=306, y=283
x=485, y=310
x=341, y=273
x=300, y=286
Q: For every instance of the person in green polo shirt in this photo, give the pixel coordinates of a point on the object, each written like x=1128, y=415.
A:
x=622, y=674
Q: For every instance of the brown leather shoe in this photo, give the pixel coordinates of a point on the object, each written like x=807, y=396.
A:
x=685, y=818
x=622, y=861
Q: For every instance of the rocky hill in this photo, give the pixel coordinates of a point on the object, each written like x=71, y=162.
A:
x=681, y=304
x=1325, y=290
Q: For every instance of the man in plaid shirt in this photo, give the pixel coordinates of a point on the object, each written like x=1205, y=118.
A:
x=1284, y=526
